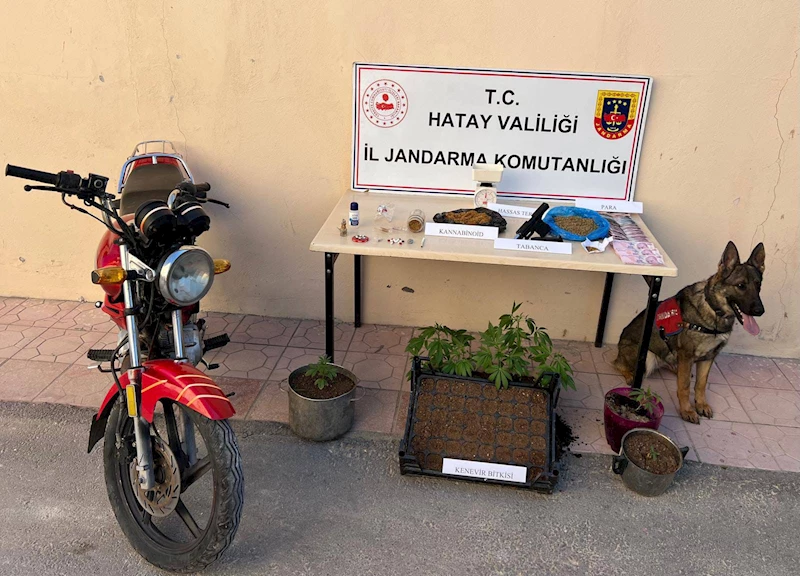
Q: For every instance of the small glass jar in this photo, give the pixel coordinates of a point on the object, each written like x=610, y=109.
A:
x=416, y=220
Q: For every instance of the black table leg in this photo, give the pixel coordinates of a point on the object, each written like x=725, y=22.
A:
x=601, y=322
x=330, y=259
x=649, y=316
x=357, y=283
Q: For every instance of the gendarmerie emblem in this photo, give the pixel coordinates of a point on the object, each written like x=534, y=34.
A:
x=615, y=113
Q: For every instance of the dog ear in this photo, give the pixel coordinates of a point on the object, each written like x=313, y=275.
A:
x=757, y=257
x=730, y=259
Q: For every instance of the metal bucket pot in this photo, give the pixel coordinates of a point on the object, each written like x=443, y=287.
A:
x=321, y=420
x=638, y=479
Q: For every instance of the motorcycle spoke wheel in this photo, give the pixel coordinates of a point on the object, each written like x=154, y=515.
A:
x=192, y=532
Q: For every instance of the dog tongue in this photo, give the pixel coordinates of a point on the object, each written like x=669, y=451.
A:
x=751, y=325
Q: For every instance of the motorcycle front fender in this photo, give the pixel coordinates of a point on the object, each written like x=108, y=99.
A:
x=167, y=379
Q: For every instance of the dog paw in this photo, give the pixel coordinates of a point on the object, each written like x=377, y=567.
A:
x=690, y=416
x=704, y=409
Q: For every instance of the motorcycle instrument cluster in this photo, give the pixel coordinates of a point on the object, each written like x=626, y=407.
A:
x=155, y=220
x=193, y=218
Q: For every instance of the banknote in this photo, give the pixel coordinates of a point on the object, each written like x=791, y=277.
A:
x=641, y=253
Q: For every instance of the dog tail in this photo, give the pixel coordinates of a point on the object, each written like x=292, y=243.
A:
x=653, y=364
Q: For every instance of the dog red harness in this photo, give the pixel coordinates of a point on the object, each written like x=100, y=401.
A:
x=669, y=320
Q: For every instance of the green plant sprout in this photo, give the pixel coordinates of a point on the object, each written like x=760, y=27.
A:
x=653, y=454
x=646, y=398
x=513, y=348
x=448, y=350
x=323, y=371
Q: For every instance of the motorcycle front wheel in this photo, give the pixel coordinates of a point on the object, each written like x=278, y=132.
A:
x=190, y=517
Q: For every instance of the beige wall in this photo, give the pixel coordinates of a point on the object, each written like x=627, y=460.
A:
x=259, y=95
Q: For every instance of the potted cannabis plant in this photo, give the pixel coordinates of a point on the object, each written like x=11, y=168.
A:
x=490, y=403
x=648, y=461
x=321, y=400
x=627, y=408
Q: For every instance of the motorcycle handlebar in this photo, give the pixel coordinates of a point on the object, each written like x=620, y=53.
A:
x=202, y=187
x=35, y=175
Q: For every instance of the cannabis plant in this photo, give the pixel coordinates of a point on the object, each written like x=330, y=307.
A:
x=513, y=348
x=646, y=398
x=509, y=349
x=323, y=371
x=448, y=350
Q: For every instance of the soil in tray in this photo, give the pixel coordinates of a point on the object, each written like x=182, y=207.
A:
x=652, y=453
x=306, y=386
x=627, y=408
x=468, y=421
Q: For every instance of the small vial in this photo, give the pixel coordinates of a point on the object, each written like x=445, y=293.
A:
x=416, y=221
x=353, y=213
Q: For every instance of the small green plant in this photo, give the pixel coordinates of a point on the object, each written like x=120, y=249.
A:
x=646, y=398
x=323, y=371
x=653, y=454
x=513, y=348
x=509, y=349
x=448, y=350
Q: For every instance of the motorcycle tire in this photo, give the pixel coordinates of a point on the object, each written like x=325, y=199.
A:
x=225, y=510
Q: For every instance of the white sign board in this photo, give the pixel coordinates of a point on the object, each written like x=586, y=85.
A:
x=511, y=211
x=541, y=246
x=484, y=470
x=461, y=231
x=559, y=135
x=610, y=205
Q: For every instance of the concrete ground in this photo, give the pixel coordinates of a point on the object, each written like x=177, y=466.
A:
x=343, y=508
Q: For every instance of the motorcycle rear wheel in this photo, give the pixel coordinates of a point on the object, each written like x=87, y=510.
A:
x=169, y=535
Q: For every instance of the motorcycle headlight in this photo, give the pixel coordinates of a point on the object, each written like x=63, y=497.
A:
x=186, y=275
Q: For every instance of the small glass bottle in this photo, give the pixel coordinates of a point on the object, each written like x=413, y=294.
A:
x=416, y=220
x=354, y=214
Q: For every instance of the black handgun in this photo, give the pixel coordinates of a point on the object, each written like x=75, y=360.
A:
x=535, y=225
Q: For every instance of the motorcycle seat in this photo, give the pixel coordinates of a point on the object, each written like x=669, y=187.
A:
x=150, y=182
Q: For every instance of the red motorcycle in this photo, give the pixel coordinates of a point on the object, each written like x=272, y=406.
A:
x=172, y=466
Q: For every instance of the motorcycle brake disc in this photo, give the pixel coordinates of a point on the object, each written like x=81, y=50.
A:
x=164, y=496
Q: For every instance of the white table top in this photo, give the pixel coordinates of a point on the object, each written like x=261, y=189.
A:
x=457, y=249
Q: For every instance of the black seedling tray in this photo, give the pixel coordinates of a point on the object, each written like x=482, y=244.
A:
x=469, y=419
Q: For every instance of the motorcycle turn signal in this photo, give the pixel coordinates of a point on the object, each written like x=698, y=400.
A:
x=109, y=275
x=221, y=265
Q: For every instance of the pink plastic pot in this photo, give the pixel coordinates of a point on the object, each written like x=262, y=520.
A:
x=617, y=426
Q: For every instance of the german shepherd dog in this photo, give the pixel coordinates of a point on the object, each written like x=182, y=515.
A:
x=706, y=312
